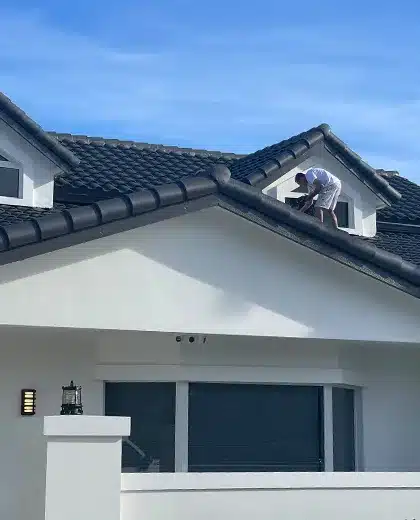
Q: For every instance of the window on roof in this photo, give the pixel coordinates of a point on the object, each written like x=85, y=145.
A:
x=341, y=211
x=9, y=178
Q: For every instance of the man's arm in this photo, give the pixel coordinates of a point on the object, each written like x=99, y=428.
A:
x=314, y=193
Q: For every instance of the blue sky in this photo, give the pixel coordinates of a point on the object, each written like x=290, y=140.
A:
x=225, y=75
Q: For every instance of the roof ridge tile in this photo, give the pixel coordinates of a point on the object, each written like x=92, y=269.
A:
x=127, y=143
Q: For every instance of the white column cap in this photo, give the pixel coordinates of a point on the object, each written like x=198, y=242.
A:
x=86, y=426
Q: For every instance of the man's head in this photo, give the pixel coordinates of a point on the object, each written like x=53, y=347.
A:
x=300, y=179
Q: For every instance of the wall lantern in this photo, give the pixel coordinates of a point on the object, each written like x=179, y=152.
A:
x=71, y=401
x=27, y=401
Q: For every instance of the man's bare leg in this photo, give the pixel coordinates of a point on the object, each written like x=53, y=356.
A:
x=319, y=213
x=333, y=218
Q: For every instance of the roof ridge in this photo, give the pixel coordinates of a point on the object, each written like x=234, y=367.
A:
x=126, y=143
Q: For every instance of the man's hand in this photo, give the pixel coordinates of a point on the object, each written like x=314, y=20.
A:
x=310, y=198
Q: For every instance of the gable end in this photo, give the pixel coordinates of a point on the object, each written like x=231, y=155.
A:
x=281, y=158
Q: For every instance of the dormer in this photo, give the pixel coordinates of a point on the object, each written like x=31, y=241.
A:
x=29, y=159
x=357, y=204
x=364, y=190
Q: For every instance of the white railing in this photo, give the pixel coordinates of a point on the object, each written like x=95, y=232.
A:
x=84, y=482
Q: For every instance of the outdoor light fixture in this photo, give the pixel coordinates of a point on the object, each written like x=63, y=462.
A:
x=27, y=401
x=71, y=401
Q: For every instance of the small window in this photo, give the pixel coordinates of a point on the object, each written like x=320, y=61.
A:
x=341, y=211
x=9, y=181
x=9, y=178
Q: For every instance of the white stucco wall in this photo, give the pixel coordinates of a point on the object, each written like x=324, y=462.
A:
x=37, y=171
x=270, y=496
x=209, y=272
x=45, y=360
x=390, y=383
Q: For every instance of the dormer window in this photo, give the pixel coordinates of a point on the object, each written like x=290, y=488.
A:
x=10, y=178
x=342, y=214
x=342, y=209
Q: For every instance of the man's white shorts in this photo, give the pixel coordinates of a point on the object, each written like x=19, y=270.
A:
x=328, y=196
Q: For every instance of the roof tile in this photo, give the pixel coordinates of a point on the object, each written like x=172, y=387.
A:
x=406, y=210
x=110, y=169
x=406, y=245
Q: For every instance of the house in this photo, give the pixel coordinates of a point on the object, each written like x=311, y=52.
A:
x=178, y=288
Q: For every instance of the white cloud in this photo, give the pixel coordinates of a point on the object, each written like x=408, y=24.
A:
x=220, y=89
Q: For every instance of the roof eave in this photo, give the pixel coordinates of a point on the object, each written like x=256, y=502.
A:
x=68, y=227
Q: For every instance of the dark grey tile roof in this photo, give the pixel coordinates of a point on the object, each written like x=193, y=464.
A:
x=83, y=223
x=17, y=116
x=396, y=238
x=266, y=164
x=109, y=167
x=404, y=244
x=406, y=210
x=16, y=214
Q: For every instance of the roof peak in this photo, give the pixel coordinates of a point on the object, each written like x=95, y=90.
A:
x=103, y=141
x=17, y=117
x=263, y=166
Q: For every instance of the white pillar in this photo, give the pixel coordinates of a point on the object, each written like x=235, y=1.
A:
x=83, y=471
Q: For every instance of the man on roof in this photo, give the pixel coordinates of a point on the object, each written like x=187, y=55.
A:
x=328, y=188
